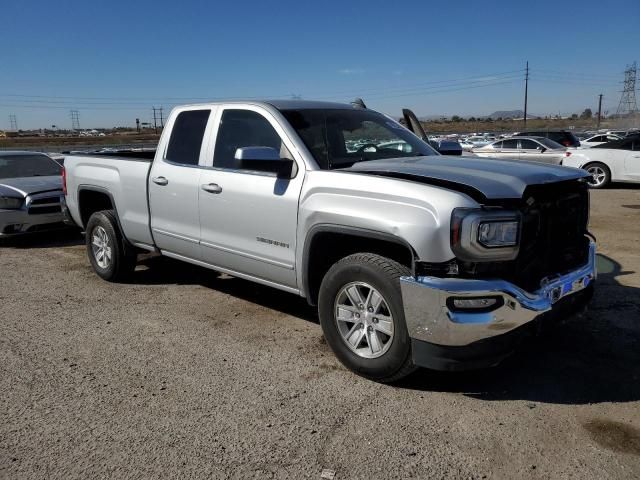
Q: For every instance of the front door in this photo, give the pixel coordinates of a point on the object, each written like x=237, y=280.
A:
x=248, y=217
x=632, y=161
x=174, y=186
x=532, y=151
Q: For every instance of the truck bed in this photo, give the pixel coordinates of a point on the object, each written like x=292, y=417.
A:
x=124, y=176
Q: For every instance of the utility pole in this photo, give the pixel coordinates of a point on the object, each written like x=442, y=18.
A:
x=155, y=120
x=526, y=92
x=161, y=119
x=13, y=121
x=138, y=125
x=599, y=110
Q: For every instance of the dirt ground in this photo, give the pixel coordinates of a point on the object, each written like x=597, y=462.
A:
x=186, y=374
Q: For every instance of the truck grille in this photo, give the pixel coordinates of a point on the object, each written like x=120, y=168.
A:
x=553, y=241
x=553, y=238
x=40, y=204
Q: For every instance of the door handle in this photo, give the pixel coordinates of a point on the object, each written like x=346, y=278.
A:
x=160, y=180
x=212, y=188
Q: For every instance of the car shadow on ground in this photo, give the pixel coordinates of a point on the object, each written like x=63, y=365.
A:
x=53, y=239
x=592, y=358
x=588, y=359
x=158, y=270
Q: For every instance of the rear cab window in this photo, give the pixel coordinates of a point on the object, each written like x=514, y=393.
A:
x=186, y=137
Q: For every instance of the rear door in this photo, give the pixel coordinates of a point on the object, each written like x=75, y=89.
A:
x=249, y=217
x=506, y=149
x=174, y=185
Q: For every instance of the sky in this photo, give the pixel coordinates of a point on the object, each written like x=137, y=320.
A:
x=113, y=61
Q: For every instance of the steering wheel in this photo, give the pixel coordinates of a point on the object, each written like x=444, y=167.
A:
x=367, y=145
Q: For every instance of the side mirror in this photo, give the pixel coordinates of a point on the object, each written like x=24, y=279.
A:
x=266, y=159
x=541, y=149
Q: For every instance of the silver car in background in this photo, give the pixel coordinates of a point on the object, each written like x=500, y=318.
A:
x=30, y=193
x=535, y=149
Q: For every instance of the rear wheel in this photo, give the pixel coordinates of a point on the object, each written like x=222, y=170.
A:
x=362, y=317
x=600, y=175
x=108, y=253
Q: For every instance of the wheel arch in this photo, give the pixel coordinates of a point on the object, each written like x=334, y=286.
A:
x=98, y=198
x=327, y=243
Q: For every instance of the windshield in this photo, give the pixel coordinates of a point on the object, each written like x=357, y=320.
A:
x=339, y=138
x=16, y=166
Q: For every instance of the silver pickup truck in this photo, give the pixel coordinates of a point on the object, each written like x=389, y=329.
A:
x=412, y=258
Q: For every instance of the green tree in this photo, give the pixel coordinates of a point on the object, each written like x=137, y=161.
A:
x=586, y=114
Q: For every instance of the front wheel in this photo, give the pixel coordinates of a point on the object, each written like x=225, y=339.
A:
x=600, y=175
x=362, y=317
x=108, y=253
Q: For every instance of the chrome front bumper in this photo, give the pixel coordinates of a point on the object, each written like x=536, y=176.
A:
x=429, y=318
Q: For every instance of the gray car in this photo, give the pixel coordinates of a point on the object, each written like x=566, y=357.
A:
x=30, y=193
x=535, y=149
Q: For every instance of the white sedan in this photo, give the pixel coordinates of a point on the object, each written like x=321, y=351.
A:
x=617, y=161
x=599, y=140
x=533, y=149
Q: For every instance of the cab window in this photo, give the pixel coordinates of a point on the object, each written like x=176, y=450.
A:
x=186, y=137
x=244, y=128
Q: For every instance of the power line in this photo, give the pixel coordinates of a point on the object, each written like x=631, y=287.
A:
x=131, y=100
x=13, y=121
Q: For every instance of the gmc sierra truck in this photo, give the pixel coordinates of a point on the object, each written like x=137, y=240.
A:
x=412, y=258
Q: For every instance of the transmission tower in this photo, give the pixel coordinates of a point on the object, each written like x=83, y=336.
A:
x=75, y=120
x=628, y=105
x=13, y=121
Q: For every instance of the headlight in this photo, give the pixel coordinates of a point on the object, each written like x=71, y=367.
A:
x=498, y=234
x=10, y=203
x=485, y=235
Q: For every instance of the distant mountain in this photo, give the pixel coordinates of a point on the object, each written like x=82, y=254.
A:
x=510, y=114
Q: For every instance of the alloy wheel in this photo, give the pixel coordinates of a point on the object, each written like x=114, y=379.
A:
x=364, y=320
x=101, y=247
x=598, y=176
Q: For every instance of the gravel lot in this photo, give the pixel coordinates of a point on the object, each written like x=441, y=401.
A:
x=187, y=374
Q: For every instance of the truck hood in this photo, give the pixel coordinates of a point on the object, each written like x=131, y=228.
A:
x=493, y=179
x=29, y=185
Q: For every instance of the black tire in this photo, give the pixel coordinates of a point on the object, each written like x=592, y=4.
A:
x=123, y=258
x=382, y=274
x=592, y=167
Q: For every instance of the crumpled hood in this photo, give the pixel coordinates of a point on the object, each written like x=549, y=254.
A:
x=29, y=185
x=492, y=178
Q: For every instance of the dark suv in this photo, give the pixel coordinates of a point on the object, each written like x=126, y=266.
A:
x=563, y=137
